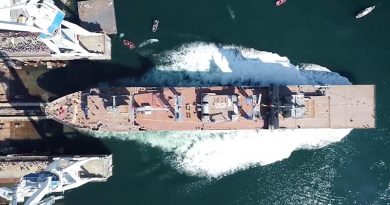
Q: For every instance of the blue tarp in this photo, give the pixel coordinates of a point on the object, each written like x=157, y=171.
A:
x=54, y=25
x=56, y=22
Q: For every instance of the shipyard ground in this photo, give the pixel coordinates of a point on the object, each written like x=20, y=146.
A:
x=19, y=93
x=30, y=133
x=12, y=168
x=97, y=16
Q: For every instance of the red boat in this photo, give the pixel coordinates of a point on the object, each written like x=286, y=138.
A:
x=128, y=44
x=280, y=2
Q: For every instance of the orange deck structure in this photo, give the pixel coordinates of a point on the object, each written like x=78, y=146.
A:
x=129, y=109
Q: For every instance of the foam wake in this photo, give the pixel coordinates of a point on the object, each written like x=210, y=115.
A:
x=234, y=64
x=148, y=42
x=215, y=154
x=231, y=12
x=207, y=64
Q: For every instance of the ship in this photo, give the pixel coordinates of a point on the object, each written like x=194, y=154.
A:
x=51, y=180
x=131, y=109
x=365, y=12
x=35, y=30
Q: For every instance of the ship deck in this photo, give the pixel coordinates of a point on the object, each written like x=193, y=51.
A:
x=342, y=107
x=189, y=110
x=217, y=108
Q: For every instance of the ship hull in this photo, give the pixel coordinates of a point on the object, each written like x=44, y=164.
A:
x=132, y=109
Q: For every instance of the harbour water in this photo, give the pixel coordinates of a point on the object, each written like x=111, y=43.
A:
x=288, y=167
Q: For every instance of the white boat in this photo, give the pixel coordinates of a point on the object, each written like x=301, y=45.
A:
x=155, y=25
x=365, y=12
x=280, y=2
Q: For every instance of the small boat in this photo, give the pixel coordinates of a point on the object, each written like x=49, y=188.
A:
x=128, y=44
x=365, y=12
x=155, y=25
x=280, y=2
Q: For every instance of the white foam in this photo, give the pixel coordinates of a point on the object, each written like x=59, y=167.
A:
x=265, y=57
x=240, y=64
x=231, y=12
x=313, y=67
x=148, y=42
x=215, y=154
x=383, y=196
x=322, y=75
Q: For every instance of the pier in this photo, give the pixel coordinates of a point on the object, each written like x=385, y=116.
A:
x=12, y=168
x=60, y=40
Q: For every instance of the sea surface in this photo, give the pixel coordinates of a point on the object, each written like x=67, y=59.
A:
x=251, y=42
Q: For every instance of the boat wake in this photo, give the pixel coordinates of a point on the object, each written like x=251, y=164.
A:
x=234, y=64
x=216, y=154
x=231, y=12
x=148, y=42
x=207, y=64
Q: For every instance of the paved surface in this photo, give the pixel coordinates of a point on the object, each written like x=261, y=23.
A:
x=94, y=44
x=13, y=168
x=98, y=16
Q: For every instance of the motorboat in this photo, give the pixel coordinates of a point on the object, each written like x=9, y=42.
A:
x=129, y=44
x=280, y=2
x=365, y=12
x=155, y=25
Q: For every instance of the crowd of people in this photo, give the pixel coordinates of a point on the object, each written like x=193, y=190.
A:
x=24, y=165
x=21, y=42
